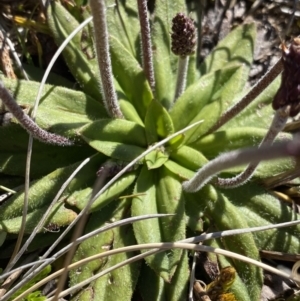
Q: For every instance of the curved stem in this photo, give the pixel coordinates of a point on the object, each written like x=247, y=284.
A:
x=278, y=123
x=102, y=48
x=240, y=157
x=27, y=123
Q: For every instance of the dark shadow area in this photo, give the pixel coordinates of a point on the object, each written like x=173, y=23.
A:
x=204, y=68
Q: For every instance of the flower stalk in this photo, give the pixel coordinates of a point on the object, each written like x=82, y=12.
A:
x=146, y=43
x=27, y=123
x=262, y=84
x=240, y=157
x=183, y=62
x=104, y=61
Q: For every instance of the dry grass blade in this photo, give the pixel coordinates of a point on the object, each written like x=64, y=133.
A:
x=160, y=247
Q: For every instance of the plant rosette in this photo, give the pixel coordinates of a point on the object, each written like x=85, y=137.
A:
x=155, y=184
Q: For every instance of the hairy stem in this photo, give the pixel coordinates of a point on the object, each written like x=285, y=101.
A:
x=146, y=43
x=27, y=123
x=240, y=157
x=102, y=48
x=278, y=123
x=183, y=62
x=249, y=97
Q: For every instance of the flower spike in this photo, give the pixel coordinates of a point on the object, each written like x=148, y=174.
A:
x=183, y=44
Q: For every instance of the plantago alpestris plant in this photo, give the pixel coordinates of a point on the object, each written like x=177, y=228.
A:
x=140, y=97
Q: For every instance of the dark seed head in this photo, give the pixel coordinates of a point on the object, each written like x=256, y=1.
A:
x=289, y=91
x=183, y=36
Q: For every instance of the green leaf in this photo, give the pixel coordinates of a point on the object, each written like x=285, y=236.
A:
x=41, y=240
x=80, y=198
x=119, y=151
x=175, y=143
x=41, y=194
x=158, y=123
x=123, y=23
x=152, y=287
x=61, y=24
x=130, y=112
x=259, y=113
x=180, y=171
x=37, y=295
x=130, y=77
x=259, y=208
x=148, y=231
x=156, y=158
x=270, y=168
x=36, y=74
x=212, y=111
x=46, y=158
x=165, y=197
x=234, y=138
x=58, y=217
x=177, y=289
x=170, y=200
x=193, y=73
x=226, y=216
x=206, y=90
x=188, y=157
x=120, y=283
x=236, y=47
x=2, y=237
x=61, y=110
x=164, y=61
x=119, y=139
x=115, y=130
x=231, y=139
x=194, y=212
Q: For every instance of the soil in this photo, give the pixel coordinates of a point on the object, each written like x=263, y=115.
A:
x=277, y=22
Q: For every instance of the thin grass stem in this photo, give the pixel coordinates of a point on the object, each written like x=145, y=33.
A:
x=192, y=240
x=15, y=55
x=130, y=165
x=30, y=142
x=26, y=266
x=7, y=189
x=163, y=247
x=27, y=277
x=192, y=277
x=46, y=214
